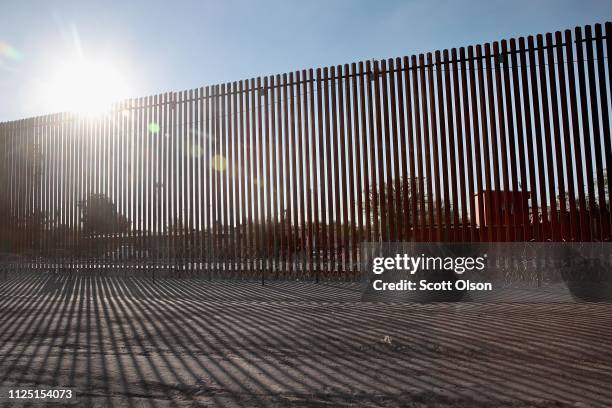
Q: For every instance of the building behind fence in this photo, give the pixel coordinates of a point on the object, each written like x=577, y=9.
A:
x=285, y=175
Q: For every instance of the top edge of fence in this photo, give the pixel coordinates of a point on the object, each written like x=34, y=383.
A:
x=358, y=68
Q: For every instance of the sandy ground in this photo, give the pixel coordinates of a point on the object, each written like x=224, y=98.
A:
x=135, y=342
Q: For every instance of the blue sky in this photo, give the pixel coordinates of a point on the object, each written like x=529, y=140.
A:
x=163, y=46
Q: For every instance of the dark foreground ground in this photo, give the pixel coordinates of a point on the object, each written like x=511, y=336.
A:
x=122, y=342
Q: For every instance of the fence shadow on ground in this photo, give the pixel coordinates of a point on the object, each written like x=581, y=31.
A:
x=169, y=342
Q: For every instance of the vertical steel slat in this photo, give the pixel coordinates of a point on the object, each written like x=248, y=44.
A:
x=374, y=191
x=310, y=147
x=328, y=209
x=5, y=220
x=120, y=140
x=253, y=183
x=606, y=208
x=139, y=184
x=184, y=183
x=173, y=179
x=510, y=146
x=160, y=185
x=128, y=174
x=418, y=191
x=443, y=170
x=50, y=186
x=404, y=234
x=425, y=73
x=387, y=187
x=434, y=152
x=278, y=164
x=606, y=130
x=411, y=184
x=543, y=224
x=299, y=162
x=260, y=193
x=586, y=131
x=145, y=154
x=364, y=115
x=596, y=137
x=486, y=193
x=201, y=195
x=229, y=177
x=334, y=174
x=239, y=241
x=547, y=136
x=214, y=198
x=460, y=144
x=267, y=143
x=491, y=153
x=521, y=187
x=292, y=170
x=492, y=58
x=467, y=147
x=25, y=177
x=519, y=99
x=166, y=166
x=396, y=219
x=351, y=222
x=535, y=226
x=36, y=174
x=10, y=151
x=221, y=171
x=501, y=148
x=31, y=215
x=476, y=134
x=248, y=178
x=321, y=235
x=190, y=179
x=37, y=204
x=560, y=180
x=197, y=182
x=65, y=232
x=19, y=181
x=116, y=240
x=148, y=134
x=450, y=136
x=283, y=173
x=239, y=171
x=341, y=170
x=567, y=148
x=276, y=134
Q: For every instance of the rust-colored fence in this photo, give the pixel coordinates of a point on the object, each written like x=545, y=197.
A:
x=284, y=176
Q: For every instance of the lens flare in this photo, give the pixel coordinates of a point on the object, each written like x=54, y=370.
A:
x=8, y=52
x=196, y=151
x=219, y=163
x=153, y=128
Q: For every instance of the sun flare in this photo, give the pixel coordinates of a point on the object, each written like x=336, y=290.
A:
x=84, y=86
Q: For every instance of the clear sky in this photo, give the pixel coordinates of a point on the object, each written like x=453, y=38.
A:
x=160, y=46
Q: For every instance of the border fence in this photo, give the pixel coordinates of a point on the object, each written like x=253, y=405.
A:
x=284, y=176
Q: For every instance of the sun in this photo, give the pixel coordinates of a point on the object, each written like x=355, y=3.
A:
x=84, y=86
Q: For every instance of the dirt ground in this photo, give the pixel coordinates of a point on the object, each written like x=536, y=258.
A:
x=135, y=342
